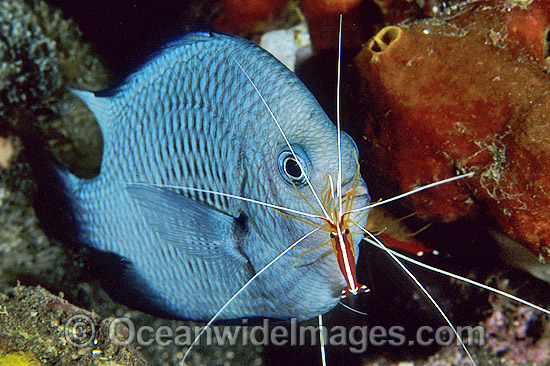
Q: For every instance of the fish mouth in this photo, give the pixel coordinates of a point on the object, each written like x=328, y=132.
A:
x=361, y=197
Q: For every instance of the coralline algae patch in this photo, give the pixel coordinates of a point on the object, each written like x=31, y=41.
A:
x=18, y=359
x=252, y=17
x=248, y=17
x=462, y=94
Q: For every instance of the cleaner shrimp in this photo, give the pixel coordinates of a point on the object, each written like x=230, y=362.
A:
x=331, y=214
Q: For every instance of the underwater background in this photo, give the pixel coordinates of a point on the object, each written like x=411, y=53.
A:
x=46, y=278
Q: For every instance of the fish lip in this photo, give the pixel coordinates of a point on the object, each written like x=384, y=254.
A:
x=362, y=188
x=362, y=195
x=358, y=198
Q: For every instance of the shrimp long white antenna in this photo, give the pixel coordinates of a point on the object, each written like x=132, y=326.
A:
x=322, y=341
x=352, y=309
x=462, y=176
x=213, y=319
x=423, y=289
x=461, y=278
x=224, y=195
x=339, y=182
x=285, y=138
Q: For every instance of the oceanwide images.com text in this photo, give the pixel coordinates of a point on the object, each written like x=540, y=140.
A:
x=80, y=332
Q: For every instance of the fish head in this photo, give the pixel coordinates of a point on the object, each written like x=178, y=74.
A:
x=309, y=170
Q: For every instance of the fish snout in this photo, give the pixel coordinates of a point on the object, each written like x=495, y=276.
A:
x=356, y=190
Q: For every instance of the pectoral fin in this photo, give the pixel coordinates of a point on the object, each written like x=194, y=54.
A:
x=193, y=227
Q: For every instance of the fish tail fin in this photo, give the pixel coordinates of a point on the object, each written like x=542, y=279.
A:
x=101, y=107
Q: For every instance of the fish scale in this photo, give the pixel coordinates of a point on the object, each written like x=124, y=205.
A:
x=191, y=117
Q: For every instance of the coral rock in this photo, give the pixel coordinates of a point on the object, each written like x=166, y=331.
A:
x=466, y=94
x=6, y=152
x=323, y=22
x=248, y=16
x=49, y=328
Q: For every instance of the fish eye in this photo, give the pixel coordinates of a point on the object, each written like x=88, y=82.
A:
x=291, y=167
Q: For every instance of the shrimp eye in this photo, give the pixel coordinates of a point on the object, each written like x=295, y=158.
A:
x=346, y=231
x=333, y=235
x=291, y=166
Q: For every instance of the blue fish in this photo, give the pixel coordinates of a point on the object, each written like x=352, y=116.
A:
x=217, y=114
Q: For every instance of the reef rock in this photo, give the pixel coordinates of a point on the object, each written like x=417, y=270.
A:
x=36, y=325
x=466, y=93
